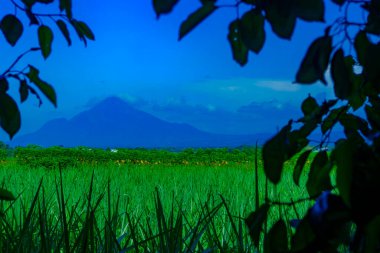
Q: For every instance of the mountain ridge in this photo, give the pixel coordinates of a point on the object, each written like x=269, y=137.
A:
x=115, y=123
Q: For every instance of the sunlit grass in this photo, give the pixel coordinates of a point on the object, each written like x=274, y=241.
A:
x=192, y=191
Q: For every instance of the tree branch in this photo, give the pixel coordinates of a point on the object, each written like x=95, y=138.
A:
x=17, y=6
x=9, y=69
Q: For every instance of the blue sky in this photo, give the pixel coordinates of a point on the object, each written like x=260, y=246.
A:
x=139, y=58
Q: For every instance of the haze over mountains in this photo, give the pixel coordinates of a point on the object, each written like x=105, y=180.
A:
x=115, y=123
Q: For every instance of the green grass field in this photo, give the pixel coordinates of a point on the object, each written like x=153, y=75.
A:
x=125, y=211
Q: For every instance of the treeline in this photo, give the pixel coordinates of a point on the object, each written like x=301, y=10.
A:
x=55, y=157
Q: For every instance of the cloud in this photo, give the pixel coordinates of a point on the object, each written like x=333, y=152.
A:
x=231, y=88
x=277, y=85
x=235, y=92
x=255, y=117
x=273, y=109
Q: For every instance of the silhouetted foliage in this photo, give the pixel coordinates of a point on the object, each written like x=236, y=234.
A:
x=346, y=214
x=28, y=77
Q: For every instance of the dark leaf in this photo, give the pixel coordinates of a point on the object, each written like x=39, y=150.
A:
x=361, y=46
x=301, y=161
x=34, y=92
x=369, y=57
x=44, y=87
x=304, y=236
x=296, y=140
x=372, y=235
x=45, y=39
x=23, y=90
x=357, y=98
x=352, y=122
x=341, y=75
x=79, y=33
x=347, y=84
x=239, y=50
x=45, y=1
x=282, y=17
x=304, y=131
x=330, y=103
x=4, y=85
x=255, y=222
x=208, y=1
x=63, y=28
x=309, y=106
x=373, y=23
x=84, y=30
x=32, y=18
x=252, y=30
x=329, y=218
x=373, y=117
x=29, y=3
x=314, y=117
x=12, y=29
x=332, y=118
x=310, y=10
x=276, y=241
x=358, y=94
x=163, y=6
x=374, y=101
x=342, y=156
x=319, y=175
x=366, y=6
x=275, y=154
x=196, y=18
x=301, y=134
x=10, y=118
x=327, y=30
x=315, y=62
x=66, y=5
x=6, y=195
x=339, y=2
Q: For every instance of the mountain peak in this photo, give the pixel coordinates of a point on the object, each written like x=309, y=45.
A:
x=113, y=122
x=114, y=102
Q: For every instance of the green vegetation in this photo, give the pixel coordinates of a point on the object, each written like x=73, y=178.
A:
x=56, y=157
x=351, y=208
x=209, y=200
x=349, y=51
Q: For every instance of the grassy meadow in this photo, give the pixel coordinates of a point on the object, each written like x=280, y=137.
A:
x=121, y=205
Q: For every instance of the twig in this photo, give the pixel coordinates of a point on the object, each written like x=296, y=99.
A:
x=292, y=202
x=9, y=69
x=17, y=6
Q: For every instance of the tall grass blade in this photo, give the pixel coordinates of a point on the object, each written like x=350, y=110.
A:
x=234, y=228
x=43, y=223
x=26, y=226
x=161, y=222
x=196, y=236
x=257, y=196
x=134, y=233
x=66, y=235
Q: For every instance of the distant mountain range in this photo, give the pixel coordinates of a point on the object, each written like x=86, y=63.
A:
x=115, y=123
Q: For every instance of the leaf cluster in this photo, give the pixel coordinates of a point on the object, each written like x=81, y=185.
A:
x=350, y=52
x=30, y=82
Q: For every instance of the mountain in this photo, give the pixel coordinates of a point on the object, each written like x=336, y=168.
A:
x=115, y=123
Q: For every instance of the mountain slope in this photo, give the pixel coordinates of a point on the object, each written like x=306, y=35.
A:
x=114, y=123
